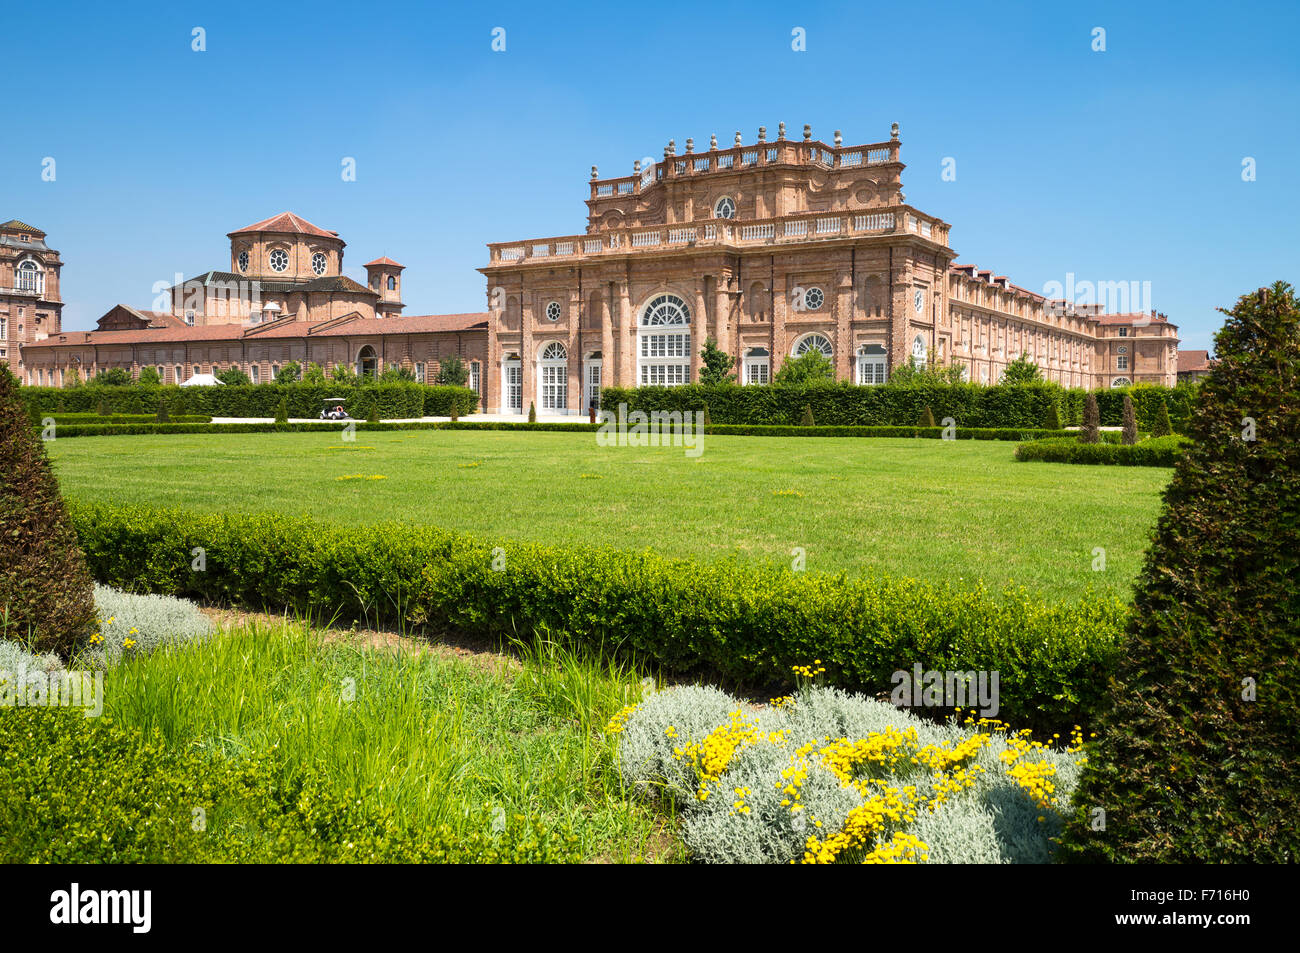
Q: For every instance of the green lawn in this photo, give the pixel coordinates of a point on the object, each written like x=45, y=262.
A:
x=945, y=511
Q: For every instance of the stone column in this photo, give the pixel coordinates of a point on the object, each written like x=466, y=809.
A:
x=527, y=359
x=698, y=330
x=722, y=314
x=844, y=327
x=625, y=339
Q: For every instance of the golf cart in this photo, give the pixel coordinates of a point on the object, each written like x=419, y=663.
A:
x=333, y=409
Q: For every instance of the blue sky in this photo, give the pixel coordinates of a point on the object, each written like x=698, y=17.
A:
x=1122, y=165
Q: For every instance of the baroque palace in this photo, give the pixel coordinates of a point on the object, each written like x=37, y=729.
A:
x=772, y=249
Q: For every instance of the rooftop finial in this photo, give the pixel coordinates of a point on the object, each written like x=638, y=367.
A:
x=672, y=147
x=780, y=130
x=838, y=139
x=737, y=137
x=593, y=173
x=636, y=166
x=690, y=145
x=713, y=142
x=893, y=131
x=762, y=133
x=807, y=132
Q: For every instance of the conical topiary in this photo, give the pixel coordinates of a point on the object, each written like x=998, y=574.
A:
x=1198, y=758
x=372, y=415
x=708, y=421
x=46, y=593
x=1091, y=432
x=163, y=416
x=807, y=419
x=532, y=413
x=1052, y=419
x=1130, y=434
x=282, y=411
x=1162, y=426
x=927, y=417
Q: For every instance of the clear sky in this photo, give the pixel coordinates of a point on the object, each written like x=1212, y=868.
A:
x=1117, y=165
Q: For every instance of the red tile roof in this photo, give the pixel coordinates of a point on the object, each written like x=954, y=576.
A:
x=413, y=324
x=384, y=261
x=1193, y=361
x=1134, y=317
x=288, y=223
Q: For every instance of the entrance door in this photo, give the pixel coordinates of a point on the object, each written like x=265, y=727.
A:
x=591, y=390
x=513, y=386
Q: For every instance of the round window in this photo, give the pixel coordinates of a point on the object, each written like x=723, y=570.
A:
x=725, y=207
x=553, y=311
x=918, y=300
x=813, y=299
x=318, y=263
x=243, y=261
x=279, y=259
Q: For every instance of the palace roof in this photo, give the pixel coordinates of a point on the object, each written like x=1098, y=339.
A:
x=287, y=223
x=347, y=326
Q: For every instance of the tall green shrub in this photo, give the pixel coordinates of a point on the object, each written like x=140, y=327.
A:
x=807, y=419
x=1091, y=432
x=282, y=411
x=1198, y=757
x=46, y=593
x=1130, y=433
x=1052, y=419
x=927, y=417
x=1162, y=427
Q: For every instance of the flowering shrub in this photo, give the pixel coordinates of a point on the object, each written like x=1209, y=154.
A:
x=827, y=777
x=141, y=623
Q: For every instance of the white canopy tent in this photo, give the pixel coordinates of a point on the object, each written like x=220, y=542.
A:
x=201, y=380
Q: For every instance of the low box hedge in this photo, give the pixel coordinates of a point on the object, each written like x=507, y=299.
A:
x=840, y=404
x=127, y=418
x=1156, y=452
x=741, y=622
x=398, y=400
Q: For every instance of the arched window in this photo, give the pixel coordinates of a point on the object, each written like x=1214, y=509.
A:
x=919, y=351
x=812, y=342
x=367, y=362
x=392, y=283
x=1120, y=382
x=872, y=367
x=30, y=277
x=758, y=366
x=553, y=379
x=664, y=336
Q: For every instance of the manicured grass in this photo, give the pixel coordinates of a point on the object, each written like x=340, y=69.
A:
x=947, y=511
x=437, y=740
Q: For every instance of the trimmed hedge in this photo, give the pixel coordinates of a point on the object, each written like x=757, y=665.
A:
x=85, y=790
x=1156, y=452
x=110, y=430
x=742, y=622
x=968, y=433
x=901, y=405
x=61, y=419
x=401, y=400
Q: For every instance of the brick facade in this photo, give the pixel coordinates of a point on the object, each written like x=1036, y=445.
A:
x=770, y=249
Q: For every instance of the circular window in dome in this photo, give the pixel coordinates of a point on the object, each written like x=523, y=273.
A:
x=318, y=263
x=279, y=259
x=243, y=261
x=553, y=311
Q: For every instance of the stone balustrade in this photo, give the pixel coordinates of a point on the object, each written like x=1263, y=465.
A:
x=801, y=228
x=780, y=152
